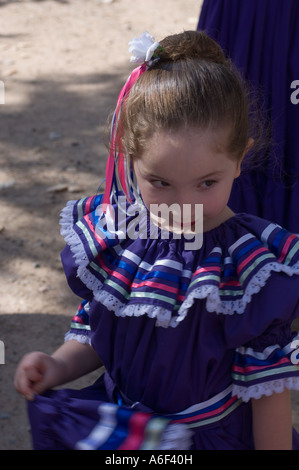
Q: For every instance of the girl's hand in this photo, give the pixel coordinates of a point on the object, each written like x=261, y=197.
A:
x=36, y=373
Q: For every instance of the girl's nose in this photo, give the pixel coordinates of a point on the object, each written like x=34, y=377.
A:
x=186, y=202
x=184, y=197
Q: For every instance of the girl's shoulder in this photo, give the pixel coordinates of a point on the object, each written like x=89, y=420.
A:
x=235, y=262
x=251, y=251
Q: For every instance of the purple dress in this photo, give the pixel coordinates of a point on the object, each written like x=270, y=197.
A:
x=262, y=39
x=187, y=337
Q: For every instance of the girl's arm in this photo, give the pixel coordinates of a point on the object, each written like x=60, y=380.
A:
x=77, y=359
x=38, y=372
x=272, y=422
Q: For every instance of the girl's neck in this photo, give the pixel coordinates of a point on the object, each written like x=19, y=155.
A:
x=210, y=224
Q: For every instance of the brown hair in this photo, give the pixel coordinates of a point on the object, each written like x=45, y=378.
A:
x=192, y=84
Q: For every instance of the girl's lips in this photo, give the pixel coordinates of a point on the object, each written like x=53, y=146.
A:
x=178, y=223
x=187, y=224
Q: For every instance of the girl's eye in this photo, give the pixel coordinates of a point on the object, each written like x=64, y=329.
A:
x=160, y=184
x=207, y=184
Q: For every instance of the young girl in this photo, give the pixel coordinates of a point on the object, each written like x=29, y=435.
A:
x=197, y=343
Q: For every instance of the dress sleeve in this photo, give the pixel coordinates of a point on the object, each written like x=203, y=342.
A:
x=267, y=361
x=80, y=328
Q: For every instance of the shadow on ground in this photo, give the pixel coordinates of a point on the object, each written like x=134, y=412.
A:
x=52, y=138
x=22, y=333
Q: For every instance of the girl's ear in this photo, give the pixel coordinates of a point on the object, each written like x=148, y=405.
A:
x=247, y=148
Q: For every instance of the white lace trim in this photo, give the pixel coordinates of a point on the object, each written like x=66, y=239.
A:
x=266, y=388
x=214, y=302
x=83, y=339
x=164, y=316
x=70, y=236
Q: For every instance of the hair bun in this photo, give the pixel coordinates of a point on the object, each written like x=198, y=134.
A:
x=191, y=45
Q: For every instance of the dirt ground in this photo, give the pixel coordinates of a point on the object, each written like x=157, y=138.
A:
x=62, y=63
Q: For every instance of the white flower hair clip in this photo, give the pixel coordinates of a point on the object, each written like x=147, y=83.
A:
x=144, y=49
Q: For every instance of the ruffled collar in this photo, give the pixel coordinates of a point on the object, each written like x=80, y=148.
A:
x=159, y=277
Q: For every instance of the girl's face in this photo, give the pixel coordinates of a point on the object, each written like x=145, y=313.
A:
x=188, y=167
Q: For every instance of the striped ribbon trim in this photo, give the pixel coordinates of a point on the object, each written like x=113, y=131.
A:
x=208, y=412
x=80, y=321
x=273, y=363
x=121, y=428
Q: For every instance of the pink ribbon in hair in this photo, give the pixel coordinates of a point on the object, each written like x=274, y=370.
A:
x=115, y=140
